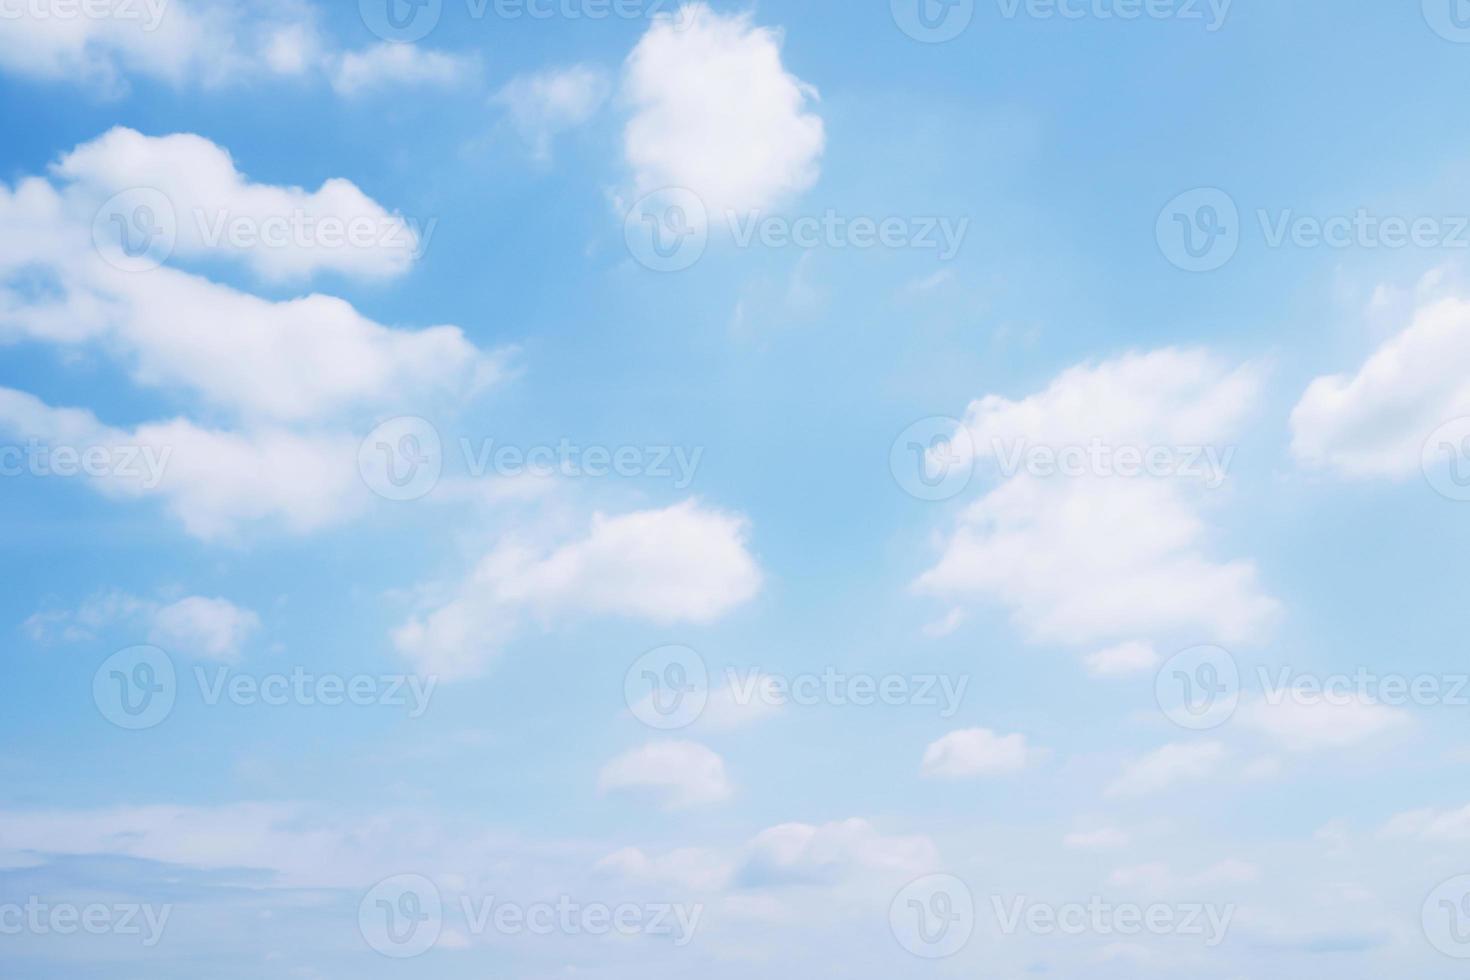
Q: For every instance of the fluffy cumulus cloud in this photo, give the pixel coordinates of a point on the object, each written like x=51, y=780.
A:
x=103, y=44
x=293, y=374
x=681, y=774
x=174, y=41
x=688, y=563
x=544, y=103
x=715, y=111
x=212, y=629
x=282, y=233
x=1114, y=546
x=976, y=752
x=1374, y=422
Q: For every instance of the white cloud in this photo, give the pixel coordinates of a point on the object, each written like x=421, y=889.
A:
x=1430, y=825
x=1162, y=768
x=716, y=112
x=1125, y=658
x=683, y=564
x=807, y=854
x=1374, y=423
x=209, y=628
x=1103, y=838
x=213, y=629
x=214, y=482
x=685, y=867
x=298, y=359
x=1096, y=556
x=976, y=752
x=1306, y=723
x=545, y=103
x=282, y=233
x=684, y=774
x=175, y=41
x=392, y=65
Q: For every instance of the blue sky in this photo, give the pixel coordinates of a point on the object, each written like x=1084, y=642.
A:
x=848, y=498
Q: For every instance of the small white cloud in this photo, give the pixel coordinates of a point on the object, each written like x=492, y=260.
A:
x=1103, y=838
x=1305, y=723
x=213, y=629
x=545, y=103
x=1431, y=825
x=389, y=65
x=684, y=774
x=1374, y=423
x=1125, y=658
x=976, y=752
x=716, y=112
x=683, y=564
x=1166, y=766
x=808, y=854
